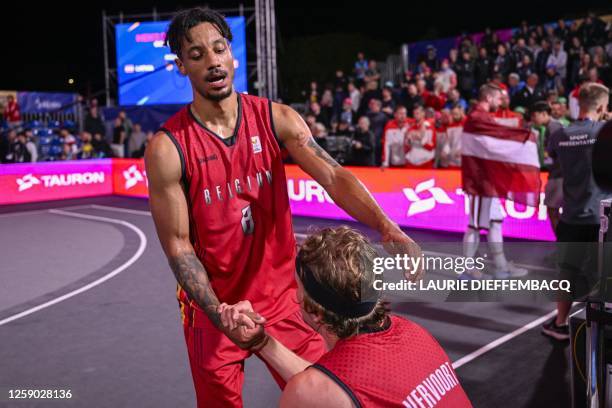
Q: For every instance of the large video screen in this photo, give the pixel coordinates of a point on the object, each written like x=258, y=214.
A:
x=146, y=72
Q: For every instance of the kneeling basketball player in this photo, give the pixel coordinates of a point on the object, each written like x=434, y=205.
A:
x=375, y=360
x=218, y=196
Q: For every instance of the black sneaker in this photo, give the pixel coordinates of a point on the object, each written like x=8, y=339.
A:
x=551, y=329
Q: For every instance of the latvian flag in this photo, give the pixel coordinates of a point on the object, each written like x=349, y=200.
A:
x=499, y=161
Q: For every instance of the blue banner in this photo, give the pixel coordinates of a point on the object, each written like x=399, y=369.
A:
x=44, y=102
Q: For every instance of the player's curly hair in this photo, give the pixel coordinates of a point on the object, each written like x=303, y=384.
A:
x=343, y=259
x=185, y=20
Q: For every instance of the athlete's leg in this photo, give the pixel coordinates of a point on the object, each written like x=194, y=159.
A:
x=217, y=364
x=471, y=238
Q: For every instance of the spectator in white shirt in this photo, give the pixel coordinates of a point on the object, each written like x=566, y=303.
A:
x=558, y=58
x=355, y=96
x=394, y=139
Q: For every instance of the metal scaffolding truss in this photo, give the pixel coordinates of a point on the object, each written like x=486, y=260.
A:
x=264, y=66
x=265, y=22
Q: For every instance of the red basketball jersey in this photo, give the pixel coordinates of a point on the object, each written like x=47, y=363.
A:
x=240, y=220
x=402, y=366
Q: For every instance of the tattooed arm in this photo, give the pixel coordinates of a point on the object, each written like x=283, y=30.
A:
x=170, y=213
x=341, y=185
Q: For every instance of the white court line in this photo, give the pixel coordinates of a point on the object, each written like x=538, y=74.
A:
x=120, y=209
x=46, y=210
x=503, y=339
x=115, y=272
x=303, y=236
x=462, y=361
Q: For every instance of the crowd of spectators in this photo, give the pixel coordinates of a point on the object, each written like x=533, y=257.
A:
x=28, y=142
x=418, y=121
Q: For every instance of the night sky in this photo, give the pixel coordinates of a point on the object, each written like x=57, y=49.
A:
x=44, y=45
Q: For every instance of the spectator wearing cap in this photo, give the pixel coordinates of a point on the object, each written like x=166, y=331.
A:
x=363, y=144
x=558, y=58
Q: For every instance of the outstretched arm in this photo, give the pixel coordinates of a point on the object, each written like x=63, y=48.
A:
x=342, y=186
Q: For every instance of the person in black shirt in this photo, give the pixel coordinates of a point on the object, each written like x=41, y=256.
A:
x=101, y=147
x=579, y=221
x=542, y=58
x=362, y=151
x=531, y=93
x=378, y=120
x=483, y=67
x=466, y=76
x=19, y=150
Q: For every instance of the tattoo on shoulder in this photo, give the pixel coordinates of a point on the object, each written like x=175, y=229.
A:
x=192, y=277
x=322, y=153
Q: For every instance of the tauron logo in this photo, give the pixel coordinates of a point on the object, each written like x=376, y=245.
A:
x=132, y=176
x=420, y=205
x=27, y=182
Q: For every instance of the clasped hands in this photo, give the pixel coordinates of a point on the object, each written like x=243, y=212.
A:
x=243, y=325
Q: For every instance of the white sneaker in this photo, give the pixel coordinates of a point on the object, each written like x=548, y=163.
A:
x=512, y=271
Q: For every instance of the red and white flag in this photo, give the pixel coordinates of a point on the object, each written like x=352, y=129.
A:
x=499, y=161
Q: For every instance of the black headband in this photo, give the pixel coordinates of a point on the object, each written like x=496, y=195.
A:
x=327, y=298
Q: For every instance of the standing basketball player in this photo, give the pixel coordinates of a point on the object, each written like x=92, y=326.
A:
x=219, y=200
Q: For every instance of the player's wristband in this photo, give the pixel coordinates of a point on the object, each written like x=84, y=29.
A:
x=257, y=347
